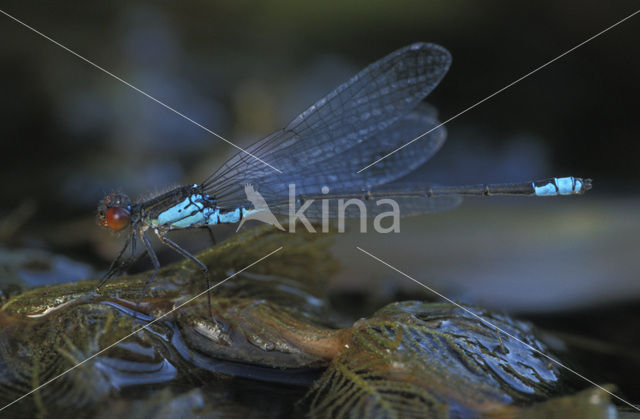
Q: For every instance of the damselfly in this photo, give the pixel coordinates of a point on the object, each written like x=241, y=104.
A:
x=320, y=152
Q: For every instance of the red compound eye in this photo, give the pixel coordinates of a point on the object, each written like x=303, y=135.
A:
x=117, y=218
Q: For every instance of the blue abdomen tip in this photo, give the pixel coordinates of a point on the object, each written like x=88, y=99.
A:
x=561, y=186
x=566, y=185
x=548, y=189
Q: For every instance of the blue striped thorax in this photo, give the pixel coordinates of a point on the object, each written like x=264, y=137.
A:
x=189, y=207
x=193, y=210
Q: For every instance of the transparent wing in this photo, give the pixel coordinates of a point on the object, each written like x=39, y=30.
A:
x=339, y=173
x=366, y=105
x=405, y=199
x=406, y=206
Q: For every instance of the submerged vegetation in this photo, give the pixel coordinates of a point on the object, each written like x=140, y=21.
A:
x=274, y=346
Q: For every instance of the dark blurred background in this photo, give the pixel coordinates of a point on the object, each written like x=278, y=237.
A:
x=70, y=133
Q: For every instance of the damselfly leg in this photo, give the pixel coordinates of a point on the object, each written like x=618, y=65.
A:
x=205, y=271
x=120, y=264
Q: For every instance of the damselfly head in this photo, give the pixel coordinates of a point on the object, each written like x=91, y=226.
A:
x=114, y=211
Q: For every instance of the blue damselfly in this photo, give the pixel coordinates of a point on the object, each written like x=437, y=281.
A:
x=320, y=153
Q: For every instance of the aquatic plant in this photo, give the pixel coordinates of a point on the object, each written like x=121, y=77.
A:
x=272, y=338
